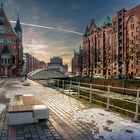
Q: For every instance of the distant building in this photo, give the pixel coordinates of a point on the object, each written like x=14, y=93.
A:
x=32, y=63
x=11, y=49
x=42, y=65
x=56, y=63
x=113, y=50
x=77, y=62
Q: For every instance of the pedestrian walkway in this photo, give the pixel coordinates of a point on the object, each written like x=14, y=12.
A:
x=60, y=124
x=69, y=118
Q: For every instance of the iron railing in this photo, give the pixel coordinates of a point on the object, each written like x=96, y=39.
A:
x=68, y=87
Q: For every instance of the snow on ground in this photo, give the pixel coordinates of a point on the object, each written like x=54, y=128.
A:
x=115, y=95
x=104, y=125
x=109, y=125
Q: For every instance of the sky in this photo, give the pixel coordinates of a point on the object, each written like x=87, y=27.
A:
x=73, y=15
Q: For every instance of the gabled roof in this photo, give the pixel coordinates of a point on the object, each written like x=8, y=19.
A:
x=107, y=21
x=3, y=15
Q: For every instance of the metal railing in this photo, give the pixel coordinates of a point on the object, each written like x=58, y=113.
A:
x=90, y=90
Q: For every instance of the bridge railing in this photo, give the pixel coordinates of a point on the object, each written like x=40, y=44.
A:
x=102, y=95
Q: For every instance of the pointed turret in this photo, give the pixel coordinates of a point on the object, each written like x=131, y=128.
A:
x=18, y=26
x=86, y=31
x=107, y=21
x=80, y=50
x=74, y=52
x=93, y=21
x=1, y=5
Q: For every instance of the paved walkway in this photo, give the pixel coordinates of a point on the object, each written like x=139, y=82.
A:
x=60, y=124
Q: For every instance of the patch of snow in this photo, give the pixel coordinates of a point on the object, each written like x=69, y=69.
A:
x=109, y=125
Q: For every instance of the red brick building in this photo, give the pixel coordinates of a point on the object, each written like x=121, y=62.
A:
x=113, y=50
x=11, y=49
x=32, y=63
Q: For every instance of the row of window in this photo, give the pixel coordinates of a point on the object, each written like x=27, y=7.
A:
x=2, y=40
x=5, y=61
x=2, y=21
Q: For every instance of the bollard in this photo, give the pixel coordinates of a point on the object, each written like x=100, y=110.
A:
x=90, y=98
x=78, y=92
x=137, y=105
x=108, y=93
x=70, y=87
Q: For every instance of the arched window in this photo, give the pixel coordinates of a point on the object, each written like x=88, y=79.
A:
x=1, y=60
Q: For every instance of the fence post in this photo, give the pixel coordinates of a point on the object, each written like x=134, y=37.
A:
x=70, y=87
x=53, y=83
x=90, y=97
x=137, y=105
x=63, y=86
x=108, y=94
x=58, y=84
x=78, y=89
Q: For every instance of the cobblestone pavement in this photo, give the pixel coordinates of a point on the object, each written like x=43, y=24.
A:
x=60, y=124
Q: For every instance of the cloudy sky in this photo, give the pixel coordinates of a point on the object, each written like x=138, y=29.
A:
x=71, y=15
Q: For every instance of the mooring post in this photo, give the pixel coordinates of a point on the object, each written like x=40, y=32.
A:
x=90, y=98
x=137, y=105
x=108, y=100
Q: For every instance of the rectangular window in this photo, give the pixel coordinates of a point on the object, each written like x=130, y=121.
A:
x=8, y=61
x=132, y=26
x=5, y=60
x=2, y=60
x=1, y=21
x=1, y=40
x=2, y=31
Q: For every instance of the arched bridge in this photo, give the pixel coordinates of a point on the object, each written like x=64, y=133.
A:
x=41, y=74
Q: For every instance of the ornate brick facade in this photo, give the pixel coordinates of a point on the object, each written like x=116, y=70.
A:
x=11, y=49
x=113, y=50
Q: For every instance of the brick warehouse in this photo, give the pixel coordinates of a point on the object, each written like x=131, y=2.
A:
x=11, y=49
x=113, y=50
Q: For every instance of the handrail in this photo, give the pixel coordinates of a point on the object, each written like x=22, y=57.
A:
x=91, y=90
x=100, y=85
